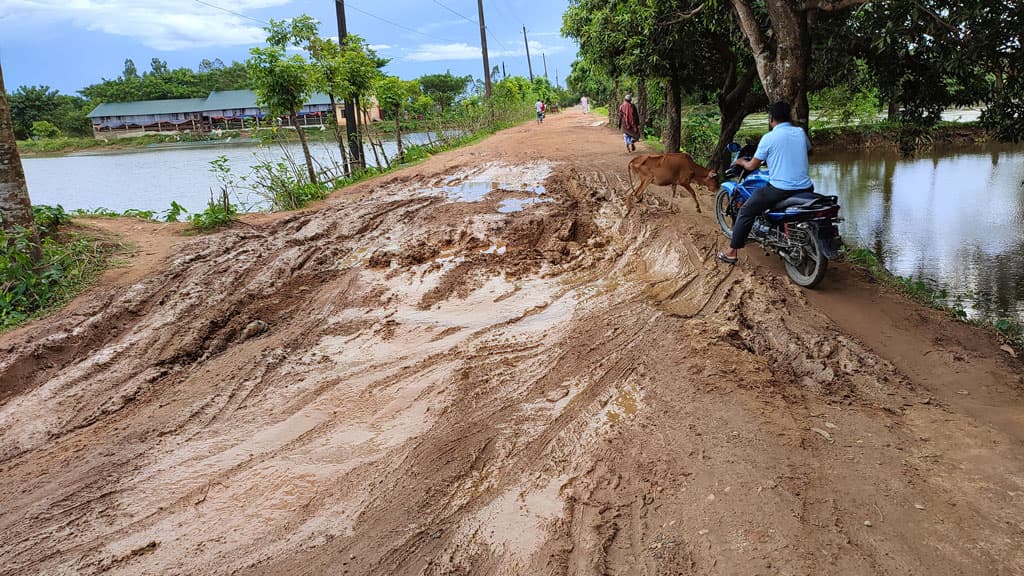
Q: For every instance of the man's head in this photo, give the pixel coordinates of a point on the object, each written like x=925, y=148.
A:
x=628, y=98
x=779, y=112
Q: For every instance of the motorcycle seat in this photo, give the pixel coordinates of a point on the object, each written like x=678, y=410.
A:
x=803, y=201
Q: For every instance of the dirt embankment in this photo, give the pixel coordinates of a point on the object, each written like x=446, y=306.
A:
x=415, y=378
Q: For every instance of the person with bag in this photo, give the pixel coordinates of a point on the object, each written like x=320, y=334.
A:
x=629, y=123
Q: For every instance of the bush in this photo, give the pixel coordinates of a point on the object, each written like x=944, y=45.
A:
x=48, y=218
x=45, y=130
x=217, y=214
x=27, y=288
x=700, y=135
x=1005, y=119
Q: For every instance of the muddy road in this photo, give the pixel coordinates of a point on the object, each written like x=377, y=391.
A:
x=489, y=364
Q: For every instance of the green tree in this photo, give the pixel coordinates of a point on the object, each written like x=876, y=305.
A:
x=44, y=129
x=347, y=70
x=158, y=66
x=283, y=85
x=165, y=84
x=129, y=69
x=648, y=39
x=443, y=89
x=513, y=90
x=394, y=95
x=588, y=80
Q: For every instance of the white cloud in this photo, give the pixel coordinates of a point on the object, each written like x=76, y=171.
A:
x=463, y=51
x=431, y=27
x=160, y=24
x=434, y=52
x=379, y=47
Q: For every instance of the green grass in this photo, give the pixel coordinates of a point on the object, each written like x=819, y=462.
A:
x=654, y=142
x=599, y=111
x=66, y=144
x=71, y=262
x=1010, y=330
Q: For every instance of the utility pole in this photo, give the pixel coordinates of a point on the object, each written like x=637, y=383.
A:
x=503, y=73
x=355, y=146
x=545, y=58
x=483, y=47
x=528, y=63
x=556, y=76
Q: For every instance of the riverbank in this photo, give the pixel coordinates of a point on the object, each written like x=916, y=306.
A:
x=406, y=378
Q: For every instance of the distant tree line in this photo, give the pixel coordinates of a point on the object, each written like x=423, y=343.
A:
x=41, y=112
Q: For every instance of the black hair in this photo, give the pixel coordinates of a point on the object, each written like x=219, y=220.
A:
x=780, y=112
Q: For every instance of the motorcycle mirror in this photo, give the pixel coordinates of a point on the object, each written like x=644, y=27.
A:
x=733, y=147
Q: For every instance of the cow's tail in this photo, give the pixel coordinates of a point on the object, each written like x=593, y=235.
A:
x=629, y=171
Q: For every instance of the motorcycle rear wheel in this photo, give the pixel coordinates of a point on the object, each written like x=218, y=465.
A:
x=812, y=267
x=722, y=201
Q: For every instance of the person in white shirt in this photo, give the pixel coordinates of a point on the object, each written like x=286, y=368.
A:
x=784, y=148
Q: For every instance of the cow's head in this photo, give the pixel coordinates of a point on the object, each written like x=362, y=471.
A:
x=710, y=181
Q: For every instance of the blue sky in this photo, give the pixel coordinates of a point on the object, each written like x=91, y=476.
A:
x=69, y=44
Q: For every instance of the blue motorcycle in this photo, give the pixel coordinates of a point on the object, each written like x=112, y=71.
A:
x=801, y=229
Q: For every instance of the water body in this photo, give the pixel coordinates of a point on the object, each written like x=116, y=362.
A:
x=953, y=218
x=150, y=178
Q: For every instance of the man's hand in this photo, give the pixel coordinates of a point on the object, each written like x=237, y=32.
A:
x=748, y=165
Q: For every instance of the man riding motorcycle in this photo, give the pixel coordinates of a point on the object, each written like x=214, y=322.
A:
x=785, y=148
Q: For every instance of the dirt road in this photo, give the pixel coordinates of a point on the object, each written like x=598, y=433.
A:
x=486, y=364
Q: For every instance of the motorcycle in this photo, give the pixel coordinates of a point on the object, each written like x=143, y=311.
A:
x=801, y=229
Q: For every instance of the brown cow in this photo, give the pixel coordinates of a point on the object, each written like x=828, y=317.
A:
x=670, y=169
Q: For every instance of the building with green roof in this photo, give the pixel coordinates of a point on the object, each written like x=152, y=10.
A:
x=224, y=109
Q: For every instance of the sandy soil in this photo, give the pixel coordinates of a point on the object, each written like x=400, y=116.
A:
x=408, y=379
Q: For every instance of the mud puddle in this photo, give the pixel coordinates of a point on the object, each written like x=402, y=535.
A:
x=474, y=185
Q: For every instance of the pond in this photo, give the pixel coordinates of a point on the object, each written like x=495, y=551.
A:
x=953, y=218
x=150, y=178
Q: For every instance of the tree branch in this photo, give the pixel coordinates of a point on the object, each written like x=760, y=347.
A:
x=749, y=27
x=831, y=5
x=681, y=16
x=937, y=18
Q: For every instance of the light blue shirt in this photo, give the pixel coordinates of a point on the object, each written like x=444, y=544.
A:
x=784, y=150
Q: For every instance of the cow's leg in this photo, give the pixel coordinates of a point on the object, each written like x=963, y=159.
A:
x=644, y=182
x=694, y=194
x=672, y=202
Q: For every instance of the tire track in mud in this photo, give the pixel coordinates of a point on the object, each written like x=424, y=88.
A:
x=399, y=383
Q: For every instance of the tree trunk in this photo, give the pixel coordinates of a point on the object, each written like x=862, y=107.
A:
x=642, y=106
x=374, y=145
x=783, y=57
x=673, y=118
x=358, y=144
x=337, y=135
x=735, y=102
x=613, y=105
x=305, y=148
x=894, y=110
x=398, y=135
x=15, y=205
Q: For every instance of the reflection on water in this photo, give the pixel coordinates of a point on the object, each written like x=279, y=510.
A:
x=954, y=218
x=150, y=179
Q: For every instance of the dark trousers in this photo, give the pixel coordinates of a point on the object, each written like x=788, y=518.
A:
x=759, y=201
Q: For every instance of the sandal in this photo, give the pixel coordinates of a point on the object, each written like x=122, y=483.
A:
x=727, y=260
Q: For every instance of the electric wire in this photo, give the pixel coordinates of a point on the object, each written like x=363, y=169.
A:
x=397, y=25
x=459, y=14
x=239, y=14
